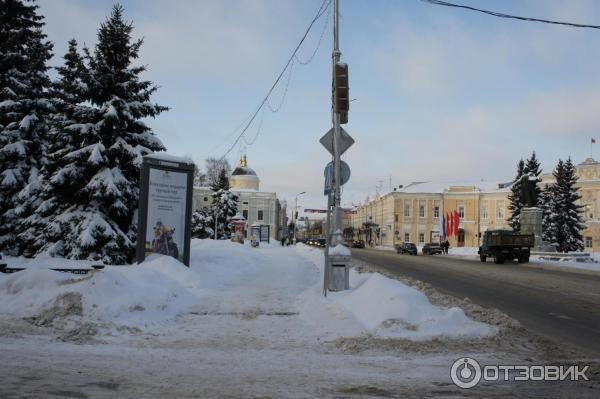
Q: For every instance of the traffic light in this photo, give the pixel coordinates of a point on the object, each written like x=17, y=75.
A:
x=341, y=94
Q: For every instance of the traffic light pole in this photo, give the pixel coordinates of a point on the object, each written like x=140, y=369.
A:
x=337, y=177
x=336, y=133
x=336, y=270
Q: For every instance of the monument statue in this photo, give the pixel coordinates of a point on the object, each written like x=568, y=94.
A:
x=528, y=190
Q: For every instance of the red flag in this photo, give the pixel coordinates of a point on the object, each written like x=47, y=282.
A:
x=456, y=222
x=451, y=226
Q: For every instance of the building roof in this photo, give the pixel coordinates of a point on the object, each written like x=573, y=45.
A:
x=243, y=171
x=455, y=187
x=588, y=161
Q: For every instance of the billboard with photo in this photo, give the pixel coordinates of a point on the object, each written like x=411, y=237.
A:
x=165, y=207
x=165, y=226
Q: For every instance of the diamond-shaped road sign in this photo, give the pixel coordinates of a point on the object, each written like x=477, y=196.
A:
x=345, y=141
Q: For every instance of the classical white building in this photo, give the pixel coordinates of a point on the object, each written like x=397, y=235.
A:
x=256, y=207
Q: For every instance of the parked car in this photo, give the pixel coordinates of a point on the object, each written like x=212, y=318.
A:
x=431, y=249
x=358, y=244
x=407, y=248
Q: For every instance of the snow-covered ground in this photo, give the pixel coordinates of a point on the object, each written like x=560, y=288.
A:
x=240, y=321
x=591, y=263
x=139, y=296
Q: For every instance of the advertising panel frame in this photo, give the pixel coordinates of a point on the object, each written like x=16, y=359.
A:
x=169, y=165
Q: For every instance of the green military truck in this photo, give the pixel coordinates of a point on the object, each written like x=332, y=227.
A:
x=506, y=245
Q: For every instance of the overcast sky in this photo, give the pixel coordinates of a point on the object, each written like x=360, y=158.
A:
x=441, y=93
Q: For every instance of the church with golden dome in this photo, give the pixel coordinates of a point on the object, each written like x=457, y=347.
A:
x=257, y=207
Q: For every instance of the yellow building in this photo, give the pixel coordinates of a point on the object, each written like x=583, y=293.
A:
x=414, y=213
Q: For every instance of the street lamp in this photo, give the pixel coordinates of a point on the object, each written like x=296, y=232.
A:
x=295, y=214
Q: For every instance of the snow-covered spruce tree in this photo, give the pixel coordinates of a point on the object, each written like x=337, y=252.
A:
x=203, y=224
x=100, y=222
x=547, y=205
x=72, y=128
x=532, y=168
x=515, y=198
x=224, y=205
x=570, y=226
x=24, y=107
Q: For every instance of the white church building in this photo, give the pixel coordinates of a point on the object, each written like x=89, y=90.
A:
x=255, y=206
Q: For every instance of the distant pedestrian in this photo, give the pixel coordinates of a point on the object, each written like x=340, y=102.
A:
x=282, y=241
x=446, y=246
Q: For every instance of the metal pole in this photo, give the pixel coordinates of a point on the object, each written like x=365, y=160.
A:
x=216, y=221
x=336, y=131
x=328, y=231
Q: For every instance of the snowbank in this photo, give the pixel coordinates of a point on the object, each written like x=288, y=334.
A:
x=384, y=307
x=226, y=279
x=591, y=263
x=132, y=296
x=463, y=251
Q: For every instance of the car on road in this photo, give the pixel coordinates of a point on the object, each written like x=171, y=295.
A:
x=358, y=244
x=407, y=248
x=431, y=249
x=505, y=245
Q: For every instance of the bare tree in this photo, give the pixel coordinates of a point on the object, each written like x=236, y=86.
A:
x=214, y=166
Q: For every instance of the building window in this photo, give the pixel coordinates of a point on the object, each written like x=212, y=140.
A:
x=406, y=237
x=484, y=212
x=395, y=217
x=588, y=242
x=500, y=212
x=245, y=214
x=421, y=211
x=407, y=211
x=436, y=212
x=461, y=211
x=260, y=215
x=245, y=202
x=421, y=238
x=205, y=199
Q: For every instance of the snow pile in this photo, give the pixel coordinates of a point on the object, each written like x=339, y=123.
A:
x=463, y=251
x=131, y=296
x=591, y=263
x=126, y=297
x=225, y=280
x=383, y=307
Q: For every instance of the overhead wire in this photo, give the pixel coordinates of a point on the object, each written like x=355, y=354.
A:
x=285, y=90
x=258, y=129
x=325, y=25
x=501, y=15
x=324, y=6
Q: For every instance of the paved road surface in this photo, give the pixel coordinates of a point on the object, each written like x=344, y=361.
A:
x=561, y=305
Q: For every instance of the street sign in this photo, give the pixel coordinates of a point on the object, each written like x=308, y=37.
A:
x=344, y=171
x=345, y=141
